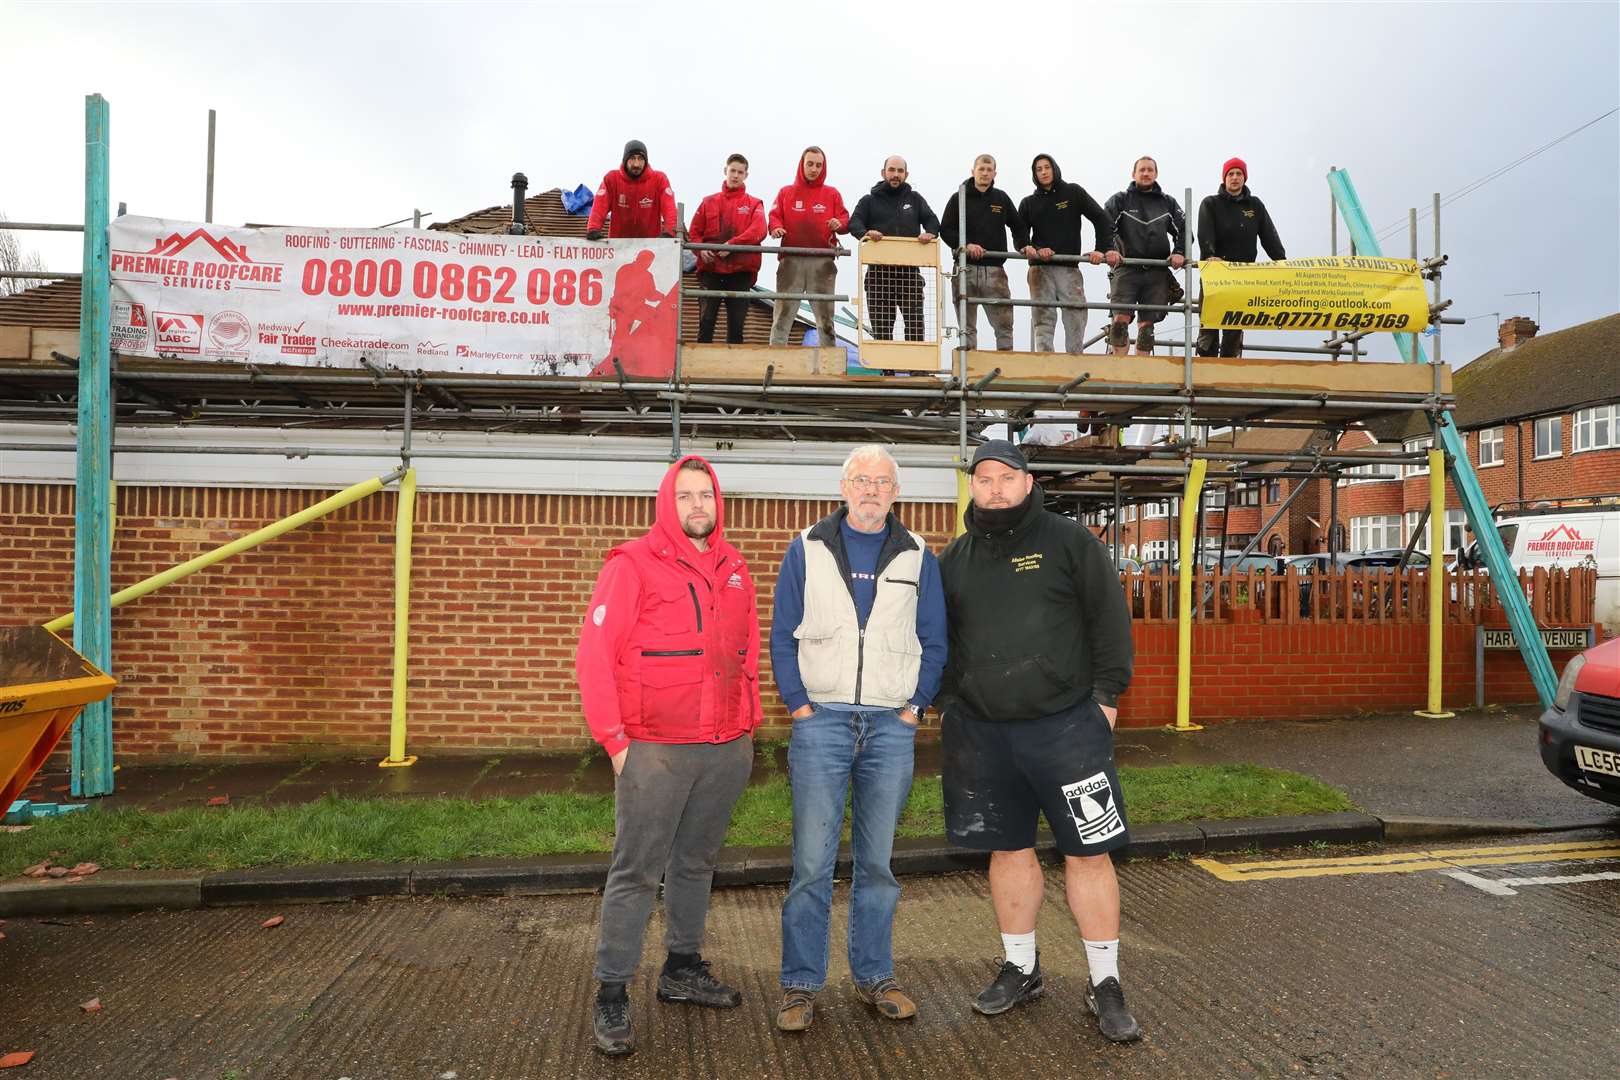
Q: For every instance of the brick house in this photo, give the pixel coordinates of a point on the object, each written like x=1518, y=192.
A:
x=1541, y=417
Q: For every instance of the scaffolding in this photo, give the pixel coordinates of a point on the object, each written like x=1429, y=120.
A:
x=803, y=397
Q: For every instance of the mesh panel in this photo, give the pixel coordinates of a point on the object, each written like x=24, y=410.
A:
x=900, y=299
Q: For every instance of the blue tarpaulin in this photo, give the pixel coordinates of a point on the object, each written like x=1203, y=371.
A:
x=578, y=201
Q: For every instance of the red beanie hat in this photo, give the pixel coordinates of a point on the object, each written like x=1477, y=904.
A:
x=1234, y=163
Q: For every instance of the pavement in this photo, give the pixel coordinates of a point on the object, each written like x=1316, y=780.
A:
x=1367, y=974
x=1413, y=778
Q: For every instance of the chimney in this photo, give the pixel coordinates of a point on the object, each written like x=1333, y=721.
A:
x=1516, y=330
x=520, y=192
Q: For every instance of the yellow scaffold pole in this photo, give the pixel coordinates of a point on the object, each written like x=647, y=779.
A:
x=402, y=621
x=964, y=495
x=1437, y=583
x=1184, y=584
x=240, y=544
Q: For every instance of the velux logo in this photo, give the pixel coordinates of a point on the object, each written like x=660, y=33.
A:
x=1562, y=540
x=175, y=243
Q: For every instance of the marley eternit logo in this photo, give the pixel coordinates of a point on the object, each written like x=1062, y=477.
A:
x=1562, y=540
x=214, y=263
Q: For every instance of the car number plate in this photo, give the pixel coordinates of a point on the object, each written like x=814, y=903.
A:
x=1598, y=761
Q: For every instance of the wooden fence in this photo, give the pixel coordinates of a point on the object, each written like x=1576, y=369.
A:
x=1557, y=597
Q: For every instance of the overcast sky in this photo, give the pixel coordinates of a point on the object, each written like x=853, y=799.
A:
x=345, y=115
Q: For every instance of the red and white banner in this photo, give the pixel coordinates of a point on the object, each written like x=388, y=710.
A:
x=401, y=298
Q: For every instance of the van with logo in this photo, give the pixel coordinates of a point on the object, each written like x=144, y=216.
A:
x=1563, y=535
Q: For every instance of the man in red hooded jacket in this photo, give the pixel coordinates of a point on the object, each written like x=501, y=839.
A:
x=807, y=214
x=729, y=216
x=668, y=670
x=633, y=200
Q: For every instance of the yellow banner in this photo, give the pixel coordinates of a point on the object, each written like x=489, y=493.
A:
x=1334, y=295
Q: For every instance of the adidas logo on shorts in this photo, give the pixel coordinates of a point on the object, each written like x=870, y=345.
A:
x=1094, y=809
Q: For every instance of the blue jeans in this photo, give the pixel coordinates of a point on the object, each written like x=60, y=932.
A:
x=830, y=753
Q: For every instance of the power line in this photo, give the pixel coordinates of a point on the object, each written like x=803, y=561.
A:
x=1473, y=186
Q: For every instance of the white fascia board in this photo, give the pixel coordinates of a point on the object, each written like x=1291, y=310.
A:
x=575, y=464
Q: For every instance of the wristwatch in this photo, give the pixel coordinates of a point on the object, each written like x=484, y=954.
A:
x=916, y=714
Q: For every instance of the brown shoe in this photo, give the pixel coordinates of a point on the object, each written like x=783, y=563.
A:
x=886, y=997
x=798, y=1008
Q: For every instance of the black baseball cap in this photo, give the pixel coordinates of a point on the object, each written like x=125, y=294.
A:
x=999, y=450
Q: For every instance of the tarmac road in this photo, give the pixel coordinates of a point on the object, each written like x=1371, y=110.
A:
x=1353, y=974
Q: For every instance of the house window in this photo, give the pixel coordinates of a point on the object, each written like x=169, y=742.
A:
x=1273, y=491
x=1130, y=552
x=1595, y=428
x=1155, y=510
x=1247, y=495
x=1376, y=531
x=1155, y=549
x=1130, y=511
x=1412, y=446
x=1490, y=446
x=1549, y=436
x=1378, y=471
x=1456, y=526
x=1214, y=498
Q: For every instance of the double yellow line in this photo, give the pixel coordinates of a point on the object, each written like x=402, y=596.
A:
x=1410, y=862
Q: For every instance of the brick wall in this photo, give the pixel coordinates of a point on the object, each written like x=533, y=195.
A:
x=285, y=650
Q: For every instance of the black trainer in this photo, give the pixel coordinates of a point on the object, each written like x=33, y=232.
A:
x=1011, y=987
x=1106, y=1001
x=693, y=984
x=610, y=1021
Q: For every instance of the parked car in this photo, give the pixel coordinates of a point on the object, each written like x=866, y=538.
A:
x=1315, y=567
x=1580, y=734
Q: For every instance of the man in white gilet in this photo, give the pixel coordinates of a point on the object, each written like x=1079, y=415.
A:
x=858, y=645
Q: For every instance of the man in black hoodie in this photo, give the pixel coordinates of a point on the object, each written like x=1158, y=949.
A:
x=1230, y=224
x=1147, y=225
x=1039, y=652
x=1054, y=212
x=893, y=209
x=990, y=213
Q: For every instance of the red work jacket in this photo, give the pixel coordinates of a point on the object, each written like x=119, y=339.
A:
x=669, y=647
x=729, y=217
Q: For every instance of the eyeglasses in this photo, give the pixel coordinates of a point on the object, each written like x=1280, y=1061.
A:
x=881, y=483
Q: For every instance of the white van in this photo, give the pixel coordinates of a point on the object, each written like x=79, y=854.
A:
x=1575, y=534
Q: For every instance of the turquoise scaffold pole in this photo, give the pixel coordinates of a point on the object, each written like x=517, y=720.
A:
x=1503, y=577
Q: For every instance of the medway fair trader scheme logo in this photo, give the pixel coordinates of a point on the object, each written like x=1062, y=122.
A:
x=209, y=264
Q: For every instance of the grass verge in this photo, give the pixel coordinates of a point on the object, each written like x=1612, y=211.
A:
x=336, y=830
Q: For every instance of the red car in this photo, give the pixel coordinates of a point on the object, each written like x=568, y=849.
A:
x=1580, y=734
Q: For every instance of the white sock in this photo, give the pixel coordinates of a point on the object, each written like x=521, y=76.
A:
x=1102, y=957
x=1020, y=949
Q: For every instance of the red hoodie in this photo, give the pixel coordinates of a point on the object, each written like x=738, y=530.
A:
x=641, y=206
x=804, y=207
x=729, y=217
x=669, y=647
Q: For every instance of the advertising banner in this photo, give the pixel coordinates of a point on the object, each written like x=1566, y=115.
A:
x=437, y=301
x=1335, y=295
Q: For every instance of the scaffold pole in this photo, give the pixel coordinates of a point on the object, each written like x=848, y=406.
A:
x=92, y=755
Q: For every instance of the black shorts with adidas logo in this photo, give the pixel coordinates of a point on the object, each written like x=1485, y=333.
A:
x=1001, y=776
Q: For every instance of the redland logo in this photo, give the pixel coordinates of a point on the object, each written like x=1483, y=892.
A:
x=174, y=243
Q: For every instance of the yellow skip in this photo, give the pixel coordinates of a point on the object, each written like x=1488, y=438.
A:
x=1411, y=861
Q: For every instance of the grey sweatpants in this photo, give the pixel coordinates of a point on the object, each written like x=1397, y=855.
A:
x=805, y=274
x=990, y=281
x=1057, y=283
x=672, y=806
